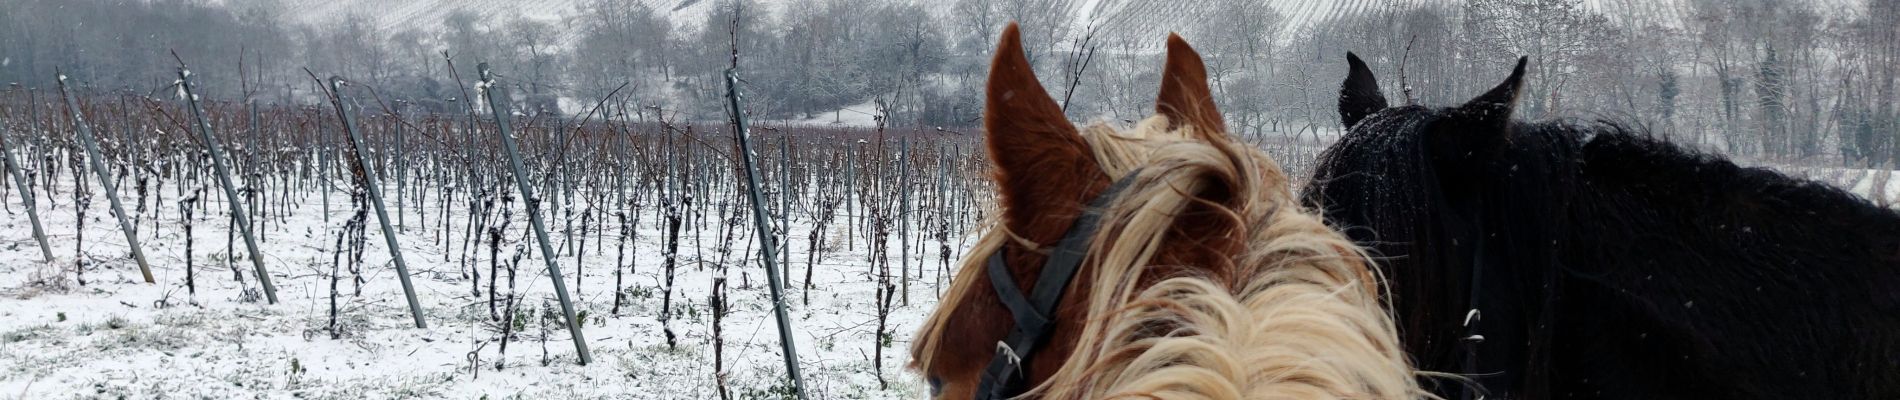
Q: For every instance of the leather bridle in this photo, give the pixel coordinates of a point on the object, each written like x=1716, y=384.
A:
x=1473, y=338
x=1033, y=313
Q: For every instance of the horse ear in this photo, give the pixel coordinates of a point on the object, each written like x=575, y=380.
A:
x=1185, y=98
x=1043, y=166
x=1493, y=108
x=1359, y=95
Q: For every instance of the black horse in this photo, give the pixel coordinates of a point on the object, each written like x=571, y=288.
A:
x=1586, y=259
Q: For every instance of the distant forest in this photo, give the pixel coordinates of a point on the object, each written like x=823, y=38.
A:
x=1766, y=78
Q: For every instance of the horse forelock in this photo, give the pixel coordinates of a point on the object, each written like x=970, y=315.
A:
x=1424, y=206
x=1207, y=279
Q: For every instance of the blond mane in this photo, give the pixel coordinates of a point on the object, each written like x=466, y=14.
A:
x=1299, y=316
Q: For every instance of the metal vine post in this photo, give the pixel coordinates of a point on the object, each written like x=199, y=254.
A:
x=254, y=180
x=903, y=215
x=741, y=134
x=105, y=178
x=39, y=141
x=26, y=195
x=498, y=103
x=242, y=219
x=373, y=185
x=785, y=197
x=323, y=159
x=401, y=167
x=768, y=243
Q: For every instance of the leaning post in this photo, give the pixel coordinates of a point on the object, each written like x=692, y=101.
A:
x=767, y=242
x=238, y=213
x=373, y=186
x=26, y=196
x=105, y=179
x=498, y=103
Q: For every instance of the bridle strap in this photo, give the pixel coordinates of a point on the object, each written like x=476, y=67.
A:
x=1034, y=313
x=1028, y=316
x=1473, y=318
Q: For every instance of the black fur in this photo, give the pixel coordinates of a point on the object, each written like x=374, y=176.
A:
x=1360, y=95
x=1617, y=265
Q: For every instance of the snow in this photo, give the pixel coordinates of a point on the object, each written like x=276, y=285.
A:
x=863, y=115
x=117, y=337
x=1881, y=186
x=394, y=15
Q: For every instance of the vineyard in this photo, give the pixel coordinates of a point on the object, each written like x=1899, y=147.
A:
x=384, y=254
x=613, y=211
x=378, y=253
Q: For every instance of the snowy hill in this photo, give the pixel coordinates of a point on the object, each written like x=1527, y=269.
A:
x=400, y=14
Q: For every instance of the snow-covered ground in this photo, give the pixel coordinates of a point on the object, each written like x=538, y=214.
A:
x=117, y=337
x=1881, y=186
x=862, y=115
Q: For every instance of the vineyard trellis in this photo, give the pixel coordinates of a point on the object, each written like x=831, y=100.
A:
x=26, y=196
x=372, y=185
x=634, y=178
x=240, y=218
x=98, y=166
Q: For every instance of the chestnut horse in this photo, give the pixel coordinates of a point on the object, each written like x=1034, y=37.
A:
x=1205, y=279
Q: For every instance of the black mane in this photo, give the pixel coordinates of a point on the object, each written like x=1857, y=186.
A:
x=1617, y=265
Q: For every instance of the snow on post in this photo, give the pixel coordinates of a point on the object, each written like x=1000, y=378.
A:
x=105, y=179
x=26, y=196
x=242, y=219
x=498, y=103
x=767, y=241
x=373, y=185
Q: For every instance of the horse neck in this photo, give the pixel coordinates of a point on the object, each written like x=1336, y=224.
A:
x=1727, y=214
x=1710, y=262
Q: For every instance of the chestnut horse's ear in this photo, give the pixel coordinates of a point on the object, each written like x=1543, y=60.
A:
x=1359, y=95
x=1185, y=98
x=1043, y=167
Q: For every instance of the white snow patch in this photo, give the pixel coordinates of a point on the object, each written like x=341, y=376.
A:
x=119, y=337
x=859, y=115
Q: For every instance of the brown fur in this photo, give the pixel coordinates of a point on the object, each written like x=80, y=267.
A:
x=1203, y=255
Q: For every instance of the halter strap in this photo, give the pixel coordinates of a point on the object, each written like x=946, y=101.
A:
x=1033, y=314
x=1474, y=318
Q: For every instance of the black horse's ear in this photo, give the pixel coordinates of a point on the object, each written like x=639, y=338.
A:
x=1493, y=108
x=1359, y=96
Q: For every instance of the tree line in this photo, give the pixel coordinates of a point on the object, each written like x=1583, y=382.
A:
x=1770, y=78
